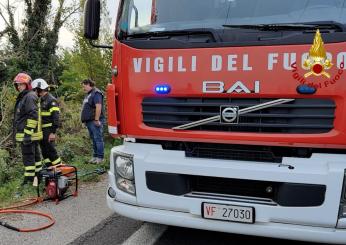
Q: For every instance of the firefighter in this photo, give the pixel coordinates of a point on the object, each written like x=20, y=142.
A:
x=26, y=126
x=50, y=122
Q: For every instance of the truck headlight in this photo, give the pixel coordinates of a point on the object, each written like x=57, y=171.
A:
x=342, y=210
x=124, y=174
x=124, y=167
x=126, y=185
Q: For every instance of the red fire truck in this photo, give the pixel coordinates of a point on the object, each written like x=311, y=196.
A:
x=232, y=114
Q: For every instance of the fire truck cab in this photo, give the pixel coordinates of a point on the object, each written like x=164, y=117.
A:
x=232, y=113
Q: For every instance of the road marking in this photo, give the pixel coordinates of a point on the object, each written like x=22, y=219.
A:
x=148, y=234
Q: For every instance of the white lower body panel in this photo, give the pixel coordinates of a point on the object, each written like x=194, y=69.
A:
x=316, y=224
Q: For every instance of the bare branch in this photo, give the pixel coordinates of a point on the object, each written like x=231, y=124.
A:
x=19, y=51
x=29, y=6
x=74, y=11
x=2, y=142
x=11, y=29
x=11, y=15
x=2, y=33
x=3, y=17
x=2, y=113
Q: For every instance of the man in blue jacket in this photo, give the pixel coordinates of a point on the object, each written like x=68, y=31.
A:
x=93, y=117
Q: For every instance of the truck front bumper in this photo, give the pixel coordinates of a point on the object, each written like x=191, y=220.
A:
x=273, y=230
x=315, y=224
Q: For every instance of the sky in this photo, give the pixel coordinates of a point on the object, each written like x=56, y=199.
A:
x=65, y=36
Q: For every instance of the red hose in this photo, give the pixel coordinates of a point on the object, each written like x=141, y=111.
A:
x=11, y=211
x=25, y=203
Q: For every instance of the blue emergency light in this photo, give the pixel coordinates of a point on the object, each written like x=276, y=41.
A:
x=162, y=89
x=305, y=89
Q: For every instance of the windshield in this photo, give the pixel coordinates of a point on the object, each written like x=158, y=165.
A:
x=141, y=16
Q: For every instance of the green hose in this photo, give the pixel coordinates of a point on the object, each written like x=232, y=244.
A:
x=99, y=171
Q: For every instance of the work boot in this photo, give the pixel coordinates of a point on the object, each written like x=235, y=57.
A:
x=92, y=160
x=99, y=160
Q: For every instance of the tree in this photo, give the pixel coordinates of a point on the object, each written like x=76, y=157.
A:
x=33, y=47
x=85, y=61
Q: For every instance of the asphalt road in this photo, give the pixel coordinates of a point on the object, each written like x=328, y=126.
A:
x=114, y=230
x=177, y=235
x=74, y=217
x=120, y=230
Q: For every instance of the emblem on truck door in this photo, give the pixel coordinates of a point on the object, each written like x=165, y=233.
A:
x=317, y=60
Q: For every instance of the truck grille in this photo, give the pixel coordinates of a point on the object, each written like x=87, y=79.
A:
x=283, y=193
x=239, y=187
x=306, y=116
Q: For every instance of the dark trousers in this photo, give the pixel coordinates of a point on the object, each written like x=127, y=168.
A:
x=49, y=153
x=31, y=160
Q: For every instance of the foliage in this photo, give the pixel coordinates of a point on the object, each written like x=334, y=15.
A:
x=9, y=154
x=85, y=61
x=33, y=47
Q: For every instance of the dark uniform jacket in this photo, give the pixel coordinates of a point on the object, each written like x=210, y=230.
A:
x=89, y=107
x=50, y=113
x=26, y=117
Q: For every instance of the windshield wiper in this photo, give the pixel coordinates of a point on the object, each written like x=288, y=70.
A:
x=273, y=27
x=167, y=34
x=292, y=26
x=328, y=25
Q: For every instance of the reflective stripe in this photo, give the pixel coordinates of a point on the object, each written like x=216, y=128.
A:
x=29, y=174
x=47, y=125
x=46, y=160
x=31, y=125
x=31, y=121
x=38, y=166
x=37, y=136
x=54, y=109
x=27, y=168
x=46, y=113
x=56, y=161
x=29, y=132
x=19, y=137
x=39, y=122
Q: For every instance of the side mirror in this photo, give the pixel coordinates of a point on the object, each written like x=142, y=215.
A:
x=92, y=19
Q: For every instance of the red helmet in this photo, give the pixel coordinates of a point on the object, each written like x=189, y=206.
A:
x=23, y=78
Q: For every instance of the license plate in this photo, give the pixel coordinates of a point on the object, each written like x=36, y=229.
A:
x=228, y=212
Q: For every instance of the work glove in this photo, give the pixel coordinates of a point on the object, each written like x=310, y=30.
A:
x=27, y=140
